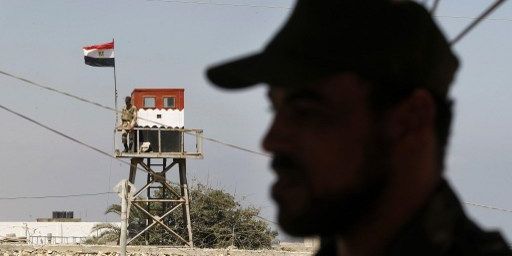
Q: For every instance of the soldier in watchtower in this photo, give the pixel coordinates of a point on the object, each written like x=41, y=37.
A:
x=128, y=122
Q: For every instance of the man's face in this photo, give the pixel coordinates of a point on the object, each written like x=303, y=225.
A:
x=328, y=154
x=128, y=101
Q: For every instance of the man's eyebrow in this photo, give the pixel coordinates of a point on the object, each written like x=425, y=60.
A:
x=301, y=94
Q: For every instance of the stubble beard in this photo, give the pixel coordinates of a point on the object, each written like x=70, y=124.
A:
x=341, y=214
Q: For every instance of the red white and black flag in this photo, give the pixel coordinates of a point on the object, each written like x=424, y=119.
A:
x=101, y=55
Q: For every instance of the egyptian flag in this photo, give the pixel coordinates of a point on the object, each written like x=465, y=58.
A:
x=101, y=55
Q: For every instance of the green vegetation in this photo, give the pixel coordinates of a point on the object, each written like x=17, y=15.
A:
x=218, y=221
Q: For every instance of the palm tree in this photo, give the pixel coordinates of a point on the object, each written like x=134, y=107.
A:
x=110, y=232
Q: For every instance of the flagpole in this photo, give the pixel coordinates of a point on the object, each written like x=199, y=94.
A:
x=115, y=87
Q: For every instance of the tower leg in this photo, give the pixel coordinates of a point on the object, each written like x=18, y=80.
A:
x=133, y=169
x=184, y=193
x=170, y=200
x=148, y=204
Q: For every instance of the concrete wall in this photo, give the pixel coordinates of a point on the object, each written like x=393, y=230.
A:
x=42, y=229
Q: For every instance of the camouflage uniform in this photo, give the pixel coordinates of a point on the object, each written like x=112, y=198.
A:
x=128, y=121
x=440, y=228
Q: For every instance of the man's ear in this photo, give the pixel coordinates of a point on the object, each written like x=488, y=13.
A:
x=412, y=116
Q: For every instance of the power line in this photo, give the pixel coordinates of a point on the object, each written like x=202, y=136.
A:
x=55, y=131
x=56, y=196
x=471, y=18
x=434, y=6
x=32, y=83
x=457, y=38
x=65, y=135
x=289, y=8
x=222, y=4
x=267, y=220
x=104, y=153
x=236, y=147
x=489, y=207
x=56, y=90
x=83, y=144
x=433, y=9
x=70, y=138
x=472, y=25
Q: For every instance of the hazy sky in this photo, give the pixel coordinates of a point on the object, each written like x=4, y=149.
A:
x=168, y=44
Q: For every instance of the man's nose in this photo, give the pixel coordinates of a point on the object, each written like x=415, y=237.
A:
x=278, y=136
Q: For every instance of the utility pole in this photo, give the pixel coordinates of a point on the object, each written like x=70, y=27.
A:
x=123, y=191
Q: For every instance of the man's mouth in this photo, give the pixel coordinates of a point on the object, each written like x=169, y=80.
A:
x=284, y=164
x=287, y=186
x=285, y=190
x=289, y=178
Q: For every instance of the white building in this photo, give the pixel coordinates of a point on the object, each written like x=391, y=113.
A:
x=49, y=232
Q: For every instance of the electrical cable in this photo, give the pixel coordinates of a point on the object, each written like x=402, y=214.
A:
x=55, y=196
x=107, y=154
x=55, y=131
x=455, y=40
x=66, y=136
x=424, y=2
x=83, y=144
x=477, y=21
x=434, y=7
x=489, y=207
x=104, y=153
x=432, y=12
x=267, y=220
x=114, y=110
x=471, y=18
x=221, y=4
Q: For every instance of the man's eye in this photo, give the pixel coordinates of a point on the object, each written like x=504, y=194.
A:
x=307, y=111
x=304, y=109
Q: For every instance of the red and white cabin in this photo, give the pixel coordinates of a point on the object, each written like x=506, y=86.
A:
x=159, y=107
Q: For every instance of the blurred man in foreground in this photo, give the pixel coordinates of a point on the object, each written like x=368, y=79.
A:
x=362, y=119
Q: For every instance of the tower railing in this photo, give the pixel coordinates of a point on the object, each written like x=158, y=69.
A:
x=159, y=142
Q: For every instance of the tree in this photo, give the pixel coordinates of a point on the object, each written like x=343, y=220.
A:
x=108, y=232
x=217, y=220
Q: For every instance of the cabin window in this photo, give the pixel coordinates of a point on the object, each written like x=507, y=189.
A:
x=169, y=102
x=149, y=102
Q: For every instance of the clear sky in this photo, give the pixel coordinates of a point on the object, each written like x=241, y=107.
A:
x=168, y=44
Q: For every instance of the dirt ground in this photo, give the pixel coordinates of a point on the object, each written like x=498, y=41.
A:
x=94, y=250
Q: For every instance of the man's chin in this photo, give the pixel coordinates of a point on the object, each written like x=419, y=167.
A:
x=308, y=221
x=305, y=226
x=295, y=226
x=336, y=217
x=294, y=214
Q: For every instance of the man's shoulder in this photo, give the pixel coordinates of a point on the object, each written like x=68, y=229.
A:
x=472, y=240
x=442, y=228
x=439, y=228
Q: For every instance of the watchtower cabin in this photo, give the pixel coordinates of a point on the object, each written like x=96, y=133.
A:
x=157, y=144
x=160, y=107
x=160, y=128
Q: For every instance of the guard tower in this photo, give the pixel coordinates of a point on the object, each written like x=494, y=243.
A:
x=159, y=146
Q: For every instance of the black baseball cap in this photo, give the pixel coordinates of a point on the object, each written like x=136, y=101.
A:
x=390, y=42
